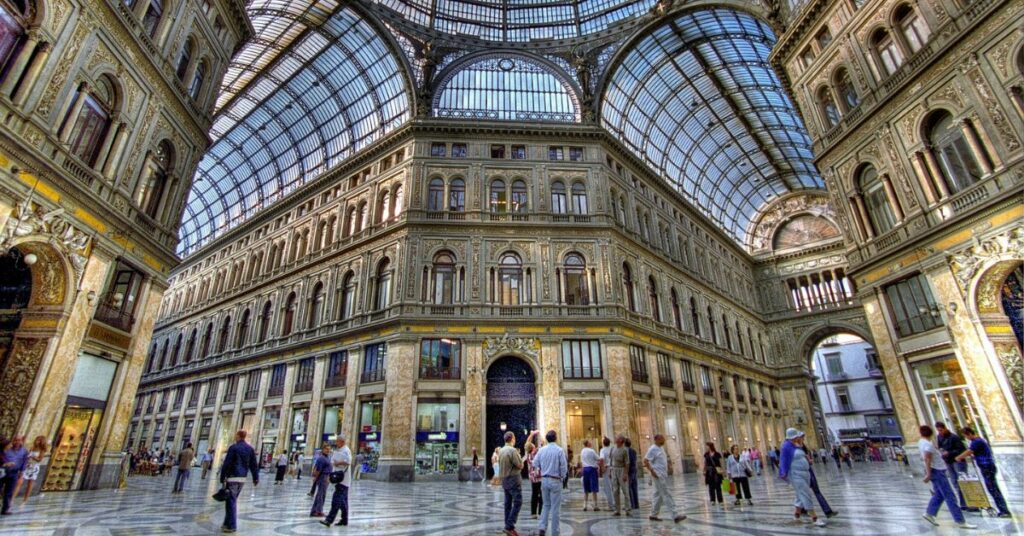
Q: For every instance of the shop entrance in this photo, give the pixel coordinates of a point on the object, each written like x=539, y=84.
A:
x=511, y=403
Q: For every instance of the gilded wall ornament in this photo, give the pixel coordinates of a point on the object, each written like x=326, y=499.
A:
x=496, y=346
x=1013, y=366
x=17, y=377
x=966, y=263
x=32, y=219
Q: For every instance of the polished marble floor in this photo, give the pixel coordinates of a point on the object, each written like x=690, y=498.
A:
x=875, y=499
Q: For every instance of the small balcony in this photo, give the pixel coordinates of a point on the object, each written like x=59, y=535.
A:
x=439, y=373
x=666, y=382
x=304, y=386
x=275, y=390
x=338, y=380
x=372, y=376
x=689, y=387
x=640, y=376
x=114, y=317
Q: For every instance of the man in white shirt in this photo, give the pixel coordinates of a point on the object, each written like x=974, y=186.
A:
x=591, y=467
x=341, y=460
x=606, y=472
x=935, y=472
x=550, y=461
x=299, y=459
x=656, y=463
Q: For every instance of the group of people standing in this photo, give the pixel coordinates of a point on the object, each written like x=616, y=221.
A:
x=19, y=466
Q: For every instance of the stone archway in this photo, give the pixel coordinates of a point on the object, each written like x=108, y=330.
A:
x=997, y=297
x=511, y=394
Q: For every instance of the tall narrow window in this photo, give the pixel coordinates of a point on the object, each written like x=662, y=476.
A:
x=520, y=197
x=289, y=316
x=913, y=306
x=695, y=316
x=348, y=296
x=827, y=108
x=711, y=326
x=196, y=86
x=444, y=278
x=499, y=197
x=652, y=294
x=577, y=291
x=265, y=317
x=457, y=195
x=510, y=279
x=435, y=195
x=888, y=51
x=243, y=330
x=628, y=287
x=90, y=127
x=207, y=341
x=151, y=20
x=382, y=299
x=154, y=179
x=558, y=205
x=957, y=164
x=316, y=305
x=877, y=201
x=677, y=317
x=846, y=90
x=225, y=330
x=184, y=58
x=579, y=198
x=912, y=26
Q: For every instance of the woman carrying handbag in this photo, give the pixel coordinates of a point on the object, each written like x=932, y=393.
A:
x=714, y=474
x=740, y=472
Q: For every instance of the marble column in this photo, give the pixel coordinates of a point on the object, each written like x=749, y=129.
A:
x=976, y=148
x=20, y=62
x=284, y=427
x=314, y=429
x=923, y=179
x=550, y=389
x=32, y=75
x=76, y=109
x=396, y=459
x=620, y=385
x=475, y=400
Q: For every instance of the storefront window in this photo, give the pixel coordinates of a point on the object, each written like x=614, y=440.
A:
x=332, y=423
x=300, y=417
x=949, y=398
x=437, y=438
x=370, y=433
x=583, y=421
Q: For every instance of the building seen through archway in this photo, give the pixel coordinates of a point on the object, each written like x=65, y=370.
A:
x=413, y=224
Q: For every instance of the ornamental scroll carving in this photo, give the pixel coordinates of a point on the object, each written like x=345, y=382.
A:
x=32, y=219
x=764, y=230
x=966, y=263
x=496, y=346
x=1013, y=366
x=19, y=373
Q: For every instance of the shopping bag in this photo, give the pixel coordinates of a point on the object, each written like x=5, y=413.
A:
x=727, y=486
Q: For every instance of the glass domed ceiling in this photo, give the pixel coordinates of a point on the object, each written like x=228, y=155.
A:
x=518, y=20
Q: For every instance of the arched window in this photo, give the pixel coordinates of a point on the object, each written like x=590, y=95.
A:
x=725, y=331
x=184, y=58
x=628, y=287
x=316, y=305
x=913, y=27
x=163, y=357
x=154, y=179
x=695, y=316
x=847, y=92
x=677, y=315
x=579, y=198
x=957, y=163
x=348, y=227
x=151, y=20
x=384, y=206
x=443, y=278
x=577, y=289
x=207, y=341
x=435, y=195
x=558, y=205
x=196, y=86
x=89, y=128
x=622, y=211
x=190, y=348
x=382, y=299
x=364, y=216
x=177, y=351
x=652, y=296
x=397, y=201
x=348, y=296
x=827, y=108
x=241, y=338
x=499, y=197
x=457, y=195
x=289, y=316
x=225, y=330
x=888, y=51
x=520, y=198
x=711, y=326
x=880, y=212
x=510, y=279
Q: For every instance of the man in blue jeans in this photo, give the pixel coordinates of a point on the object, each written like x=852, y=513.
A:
x=239, y=462
x=951, y=446
x=510, y=466
x=982, y=453
x=550, y=460
x=935, y=473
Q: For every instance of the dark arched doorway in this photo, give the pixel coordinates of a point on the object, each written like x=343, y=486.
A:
x=511, y=402
x=1012, y=297
x=15, y=291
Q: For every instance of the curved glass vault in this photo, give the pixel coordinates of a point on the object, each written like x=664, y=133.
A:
x=693, y=95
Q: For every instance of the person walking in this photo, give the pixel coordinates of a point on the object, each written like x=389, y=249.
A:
x=185, y=458
x=794, y=468
x=979, y=449
x=358, y=469
x=825, y=508
x=773, y=458
x=951, y=446
x=634, y=491
x=282, y=467
x=568, y=460
x=656, y=463
x=14, y=458
x=299, y=460
x=553, y=467
x=935, y=470
x=740, y=471
x=321, y=478
x=239, y=462
x=605, y=471
x=31, y=472
x=535, y=478
x=591, y=467
x=474, y=469
x=510, y=466
x=619, y=457
x=713, y=475
x=341, y=461
x=207, y=463
x=755, y=458
x=495, y=468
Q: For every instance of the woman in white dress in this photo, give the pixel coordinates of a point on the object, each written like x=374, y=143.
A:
x=31, y=472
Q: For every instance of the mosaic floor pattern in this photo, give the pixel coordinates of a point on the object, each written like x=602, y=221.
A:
x=872, y=500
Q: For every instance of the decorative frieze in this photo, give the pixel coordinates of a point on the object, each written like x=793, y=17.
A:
x=966, y=263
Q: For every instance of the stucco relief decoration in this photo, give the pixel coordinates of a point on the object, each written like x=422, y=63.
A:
x=1013, y=366
x=764, y=230
x=496, y=346
x=992, y=106
x=63, y=70
x=894, y=160
x=31, y=219
x=18, y=376
x=1001, y=53
x=968, y=262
